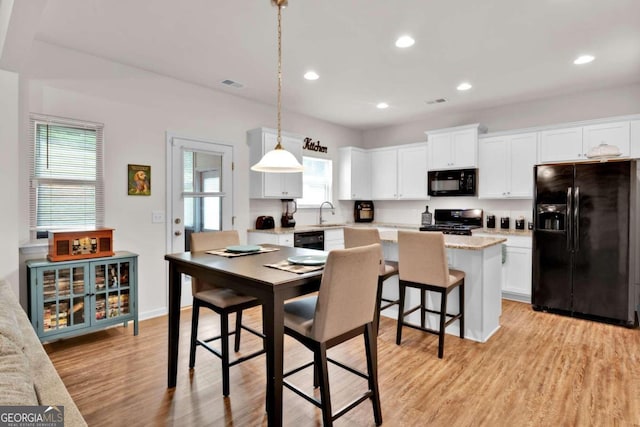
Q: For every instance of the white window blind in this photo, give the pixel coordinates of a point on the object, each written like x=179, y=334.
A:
x=66, y=171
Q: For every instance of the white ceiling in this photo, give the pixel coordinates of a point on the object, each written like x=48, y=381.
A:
x=510, y=50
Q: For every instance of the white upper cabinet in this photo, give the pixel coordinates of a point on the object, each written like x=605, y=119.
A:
x=273, y=185
x=412, y=172
x=399, y=173
x=616, y=133
x=354, y=174
x=384, y=177
x=574, y=143
x=505, y=166
x=453, y=148
x=634, y=143
x=560, y=145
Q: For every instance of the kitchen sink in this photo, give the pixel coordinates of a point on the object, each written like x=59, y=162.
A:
x=328, y=225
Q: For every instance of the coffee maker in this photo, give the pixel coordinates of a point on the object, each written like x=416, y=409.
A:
x=289, y=207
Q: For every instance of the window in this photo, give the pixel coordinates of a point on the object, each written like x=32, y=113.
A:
x=316, y=181
x=67, y=190
x=202, y=191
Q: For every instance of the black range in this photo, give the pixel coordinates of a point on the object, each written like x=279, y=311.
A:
x=455, y=221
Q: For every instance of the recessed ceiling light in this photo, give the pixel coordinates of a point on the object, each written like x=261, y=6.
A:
x=583, y=59
x=405, y=41
x=464, y=86
x=382, y=105
x=311, y=75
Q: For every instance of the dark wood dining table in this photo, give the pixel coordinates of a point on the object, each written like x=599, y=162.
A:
x=248, y=275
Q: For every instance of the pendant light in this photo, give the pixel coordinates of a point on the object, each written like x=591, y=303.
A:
x=278, y=160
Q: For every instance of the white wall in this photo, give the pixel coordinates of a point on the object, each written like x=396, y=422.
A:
x=617, y=101
x=9, y=171
x=137, y=109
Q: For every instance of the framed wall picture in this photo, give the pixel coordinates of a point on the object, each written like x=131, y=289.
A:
x=139, y=180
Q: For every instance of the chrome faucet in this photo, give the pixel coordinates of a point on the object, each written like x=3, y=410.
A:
x=333, y=210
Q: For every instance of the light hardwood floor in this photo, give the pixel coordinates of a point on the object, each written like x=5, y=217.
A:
x=539, y=369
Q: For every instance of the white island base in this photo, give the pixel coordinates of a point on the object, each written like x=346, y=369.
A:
x=482, y=264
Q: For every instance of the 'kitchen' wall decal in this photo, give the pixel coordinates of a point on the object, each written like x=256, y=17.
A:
x=314, y=146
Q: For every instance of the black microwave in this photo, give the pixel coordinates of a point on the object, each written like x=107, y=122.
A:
x=455, y=182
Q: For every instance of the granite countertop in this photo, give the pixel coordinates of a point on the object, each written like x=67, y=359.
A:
x=504, y=232
x=329, y=226
x=474, y=243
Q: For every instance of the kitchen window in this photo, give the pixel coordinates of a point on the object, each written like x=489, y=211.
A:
x=316, y=181
x=66, y=175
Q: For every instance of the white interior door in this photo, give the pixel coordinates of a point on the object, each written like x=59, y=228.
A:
x=200, y=187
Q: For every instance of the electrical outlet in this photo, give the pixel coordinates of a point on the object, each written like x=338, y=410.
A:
x=157, y=217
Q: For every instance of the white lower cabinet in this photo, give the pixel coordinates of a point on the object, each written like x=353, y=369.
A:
x=333, y=239
x=258, y=238
x=516, y=269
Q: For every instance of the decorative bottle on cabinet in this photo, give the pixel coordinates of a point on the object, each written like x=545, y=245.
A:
x=426, y=217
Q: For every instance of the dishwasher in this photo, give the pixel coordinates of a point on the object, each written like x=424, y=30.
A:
x=309, y=239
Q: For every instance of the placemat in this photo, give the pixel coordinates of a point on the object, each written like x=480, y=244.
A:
x=223, y=252
x=294, y=268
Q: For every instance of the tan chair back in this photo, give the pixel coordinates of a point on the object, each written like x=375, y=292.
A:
x=347, y=295
x=207, y=240
x=422, y=257
x=354, y=237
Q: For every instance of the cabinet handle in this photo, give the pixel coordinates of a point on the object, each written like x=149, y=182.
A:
x=178, y=233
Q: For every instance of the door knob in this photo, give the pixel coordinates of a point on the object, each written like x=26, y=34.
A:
x=178, y=233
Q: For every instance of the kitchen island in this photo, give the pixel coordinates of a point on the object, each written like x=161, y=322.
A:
x=479, y=257
x=481, y=260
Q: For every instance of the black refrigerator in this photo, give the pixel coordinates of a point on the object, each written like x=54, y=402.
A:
x=585, y=239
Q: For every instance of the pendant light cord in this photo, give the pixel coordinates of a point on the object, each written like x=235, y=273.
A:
x=278, y=145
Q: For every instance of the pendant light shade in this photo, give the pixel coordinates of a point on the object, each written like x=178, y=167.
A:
x=278, y=160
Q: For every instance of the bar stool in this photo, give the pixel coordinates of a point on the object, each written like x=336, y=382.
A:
x=343, y=309
x=354, y=237
x=423, y=265
x=223, y=301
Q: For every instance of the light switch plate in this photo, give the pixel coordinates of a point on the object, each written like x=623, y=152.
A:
x=157, y=217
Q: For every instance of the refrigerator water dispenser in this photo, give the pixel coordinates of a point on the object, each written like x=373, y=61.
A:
x=551, y=216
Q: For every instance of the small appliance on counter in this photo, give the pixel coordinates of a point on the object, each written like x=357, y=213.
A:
x=363, y=211
x=265, y=223
x=504, y=222
x=426, y=217
x=289, y=207
x=455, y=221
x=491, y=221
x=520, y=223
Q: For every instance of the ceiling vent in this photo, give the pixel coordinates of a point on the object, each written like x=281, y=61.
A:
x=233, y=84
x=436, y=101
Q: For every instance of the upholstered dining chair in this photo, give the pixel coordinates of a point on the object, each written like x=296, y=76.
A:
x=343, y=309
x=422, y=260
x=354, y=237
x=223, y=301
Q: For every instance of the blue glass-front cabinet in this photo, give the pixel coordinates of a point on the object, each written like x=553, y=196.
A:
x=76, y=297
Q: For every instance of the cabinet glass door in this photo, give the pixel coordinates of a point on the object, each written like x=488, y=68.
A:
x=112, y=290
x=63, y=298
